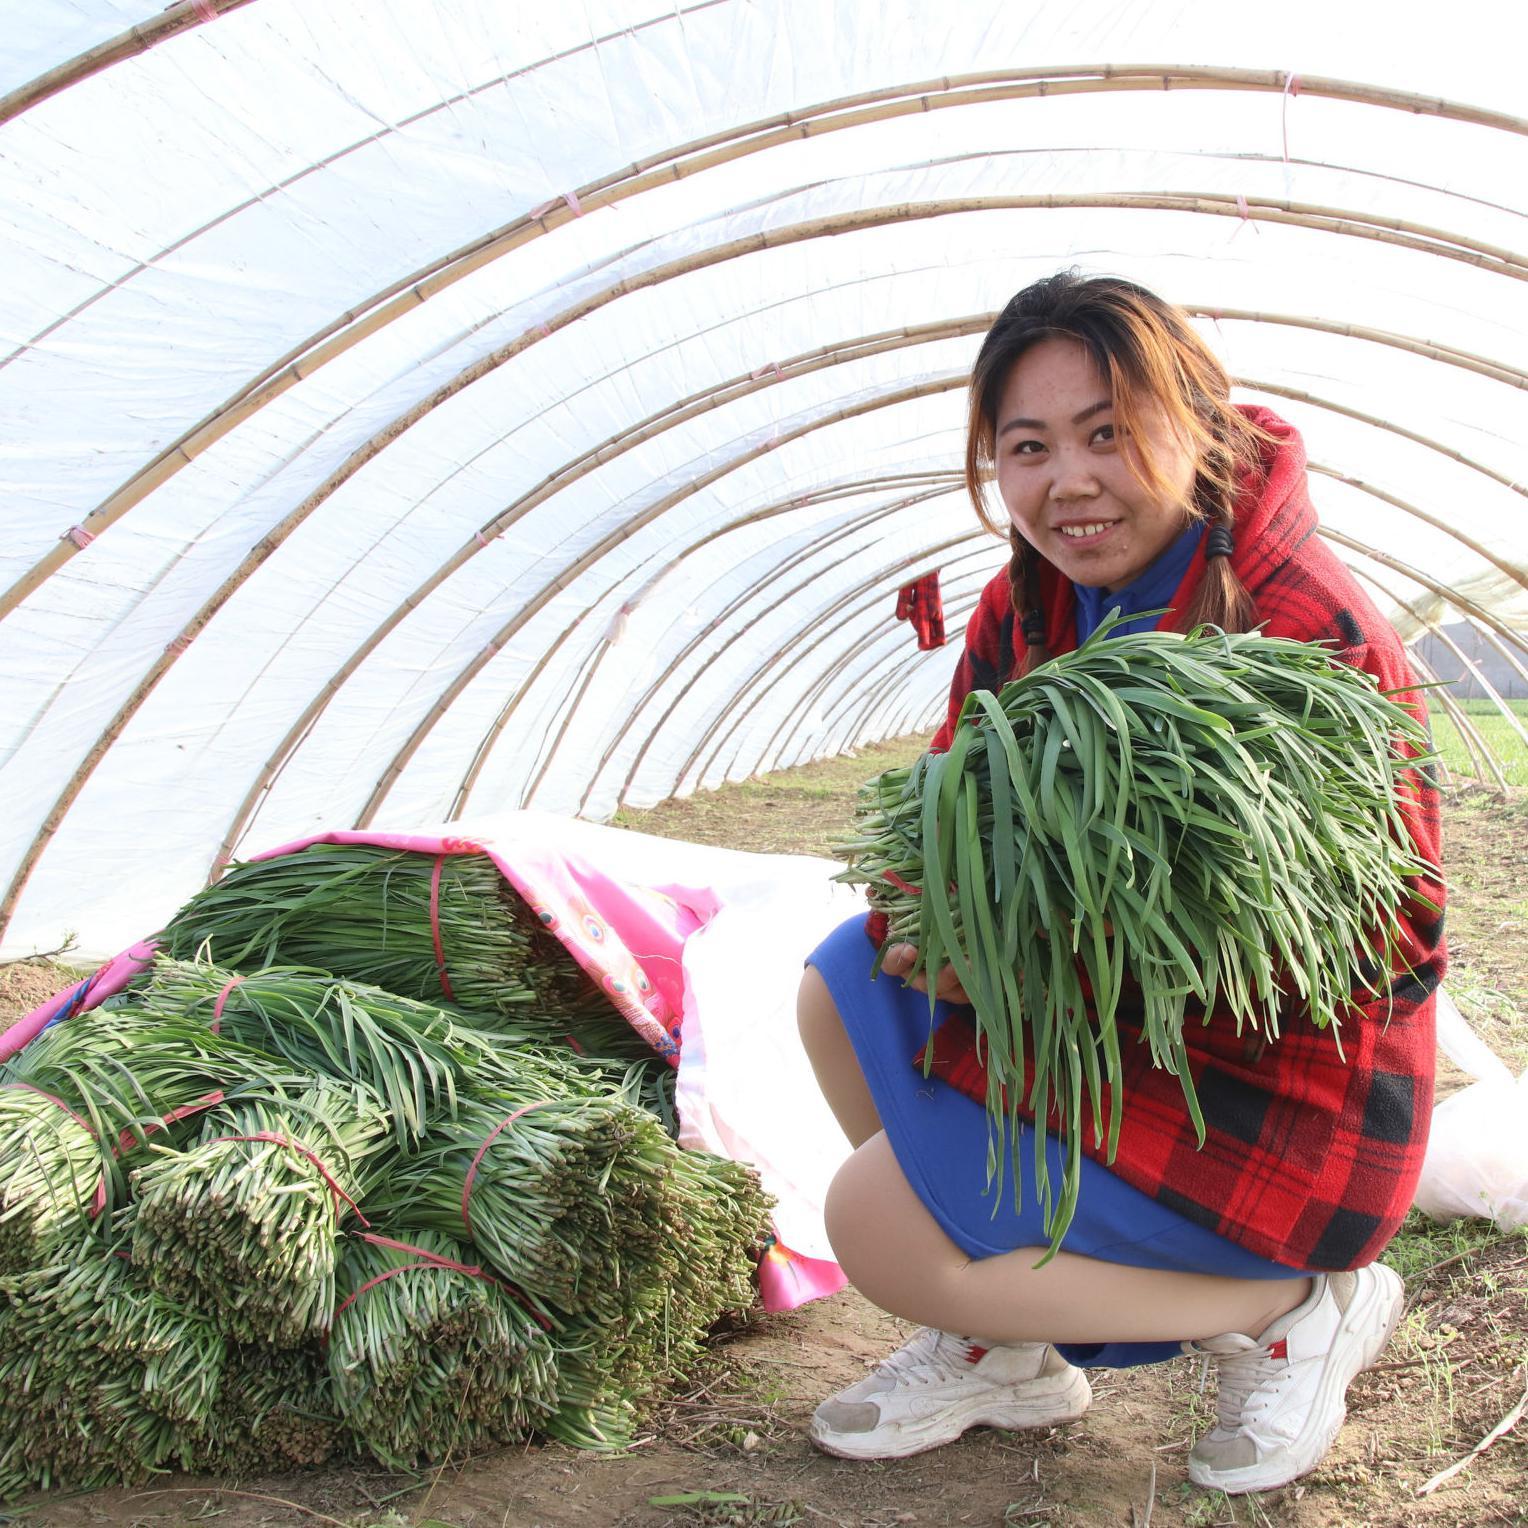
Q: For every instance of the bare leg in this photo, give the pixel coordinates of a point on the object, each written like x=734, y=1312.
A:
x=896, y=1255
x=833, y=1059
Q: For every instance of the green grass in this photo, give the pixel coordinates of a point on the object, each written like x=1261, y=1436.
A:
x=1510, y=753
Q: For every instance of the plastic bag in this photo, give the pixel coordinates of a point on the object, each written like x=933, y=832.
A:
x=1477, y=1152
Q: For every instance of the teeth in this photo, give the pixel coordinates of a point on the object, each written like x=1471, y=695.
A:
x=1084, y=530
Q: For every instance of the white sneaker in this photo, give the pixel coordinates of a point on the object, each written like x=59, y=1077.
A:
x=1281, y=1397
x=937, y=1385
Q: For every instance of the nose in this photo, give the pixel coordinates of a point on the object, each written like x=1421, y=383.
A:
x=1073, y=478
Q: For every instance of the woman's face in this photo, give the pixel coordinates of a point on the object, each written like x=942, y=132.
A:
x=1065, y=479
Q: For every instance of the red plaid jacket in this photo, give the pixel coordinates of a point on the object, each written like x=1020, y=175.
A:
x=1309, y=1158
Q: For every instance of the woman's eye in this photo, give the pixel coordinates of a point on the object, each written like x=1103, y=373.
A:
x=1028, y=448
x=1104, y=434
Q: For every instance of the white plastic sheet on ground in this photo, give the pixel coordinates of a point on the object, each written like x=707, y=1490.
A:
x=414, y=410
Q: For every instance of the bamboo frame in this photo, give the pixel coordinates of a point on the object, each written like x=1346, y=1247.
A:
x=214, y=426
x=1518, y=575
x=856, y=524
x=1443, y=591
x=863, y=597
x=1299, y=395
x=892, y=679
x=859, y=606
x=1505, y=651
x=1474, y=744
x=612, y=538
x=174, y=19
x=1467, y=663
x=459, y=803
x=678, y=698
x=1497, y=371
x=790, y=726
x=878, y=591
x=903, y=720
x=269, y=543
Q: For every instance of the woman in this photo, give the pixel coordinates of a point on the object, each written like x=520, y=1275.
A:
x=1130, y=480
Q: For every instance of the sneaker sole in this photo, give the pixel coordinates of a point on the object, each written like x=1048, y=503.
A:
x=1382, y=1310
x=898, y=1440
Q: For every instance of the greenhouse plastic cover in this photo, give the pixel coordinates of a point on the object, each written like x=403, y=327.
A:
x=418, y=410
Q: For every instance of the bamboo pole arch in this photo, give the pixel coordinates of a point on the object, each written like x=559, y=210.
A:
x=850, y=604
x=268, y=544
x=173, y=19
x=612, y=538
x=856, y=602
x=674, y=703
x=680, y=695
x=913, y=710
x=1483, y=757
x=1320, y=218
x=459, y=804
x=1443, y=591
x=1474, y=743
x=1299, y=395
x=861, y=645
x=1517, y=574
x=898, y=714
x=885, y=580
x=1469, y=666
x=848, y=528
x=475, y=665
x=696, y=155
x=900, y=723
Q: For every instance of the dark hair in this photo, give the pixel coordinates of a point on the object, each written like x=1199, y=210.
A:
x=1153, y=360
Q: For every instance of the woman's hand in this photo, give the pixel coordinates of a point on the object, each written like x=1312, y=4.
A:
x=898, y=961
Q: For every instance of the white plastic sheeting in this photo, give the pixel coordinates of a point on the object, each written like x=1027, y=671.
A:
x=409, y=409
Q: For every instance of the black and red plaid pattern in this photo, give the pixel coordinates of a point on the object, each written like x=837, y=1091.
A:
x=1311, y=1157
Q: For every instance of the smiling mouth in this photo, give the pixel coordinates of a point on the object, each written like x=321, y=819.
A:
x=1084, y=532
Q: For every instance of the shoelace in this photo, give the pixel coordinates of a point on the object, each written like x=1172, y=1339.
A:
x=921, y=1360
x=1240, y=1376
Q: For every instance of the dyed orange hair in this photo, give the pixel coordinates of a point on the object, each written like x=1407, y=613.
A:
x=1155, y=363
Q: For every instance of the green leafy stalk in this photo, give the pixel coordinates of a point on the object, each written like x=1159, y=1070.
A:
x=1210, y=823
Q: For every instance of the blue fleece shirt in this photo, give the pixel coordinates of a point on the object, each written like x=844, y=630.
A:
x=1151, y=590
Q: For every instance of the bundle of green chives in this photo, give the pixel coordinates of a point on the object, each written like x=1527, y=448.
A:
x=244, y=1224
x=535, y=1184
x=101, y=1379
x=373, y=915
x=430, y=1355
x=50, y=1171
x=409, y=1054
x=78, y=1104
x=610, y=1372
x=1212, y=818
x=276, y=1411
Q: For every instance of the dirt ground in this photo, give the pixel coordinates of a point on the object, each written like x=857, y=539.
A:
x=734, y=1451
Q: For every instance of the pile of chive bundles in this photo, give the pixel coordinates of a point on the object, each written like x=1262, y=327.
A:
x=1209, y=823
x=281, y=1202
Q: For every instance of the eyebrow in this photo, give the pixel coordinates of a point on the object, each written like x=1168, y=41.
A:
x=1039, y=424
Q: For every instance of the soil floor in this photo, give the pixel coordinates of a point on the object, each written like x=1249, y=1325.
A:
x=734, y=1451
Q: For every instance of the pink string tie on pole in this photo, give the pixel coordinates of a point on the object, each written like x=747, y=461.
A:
x=205, y=9
x=79, y=536
x=1291, y=88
